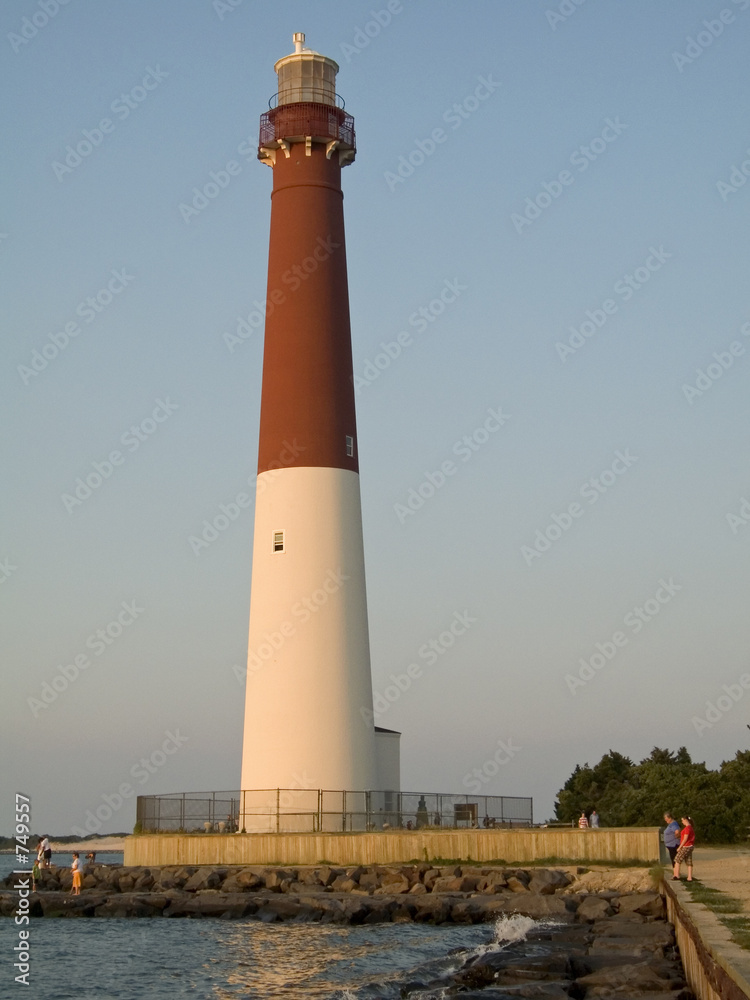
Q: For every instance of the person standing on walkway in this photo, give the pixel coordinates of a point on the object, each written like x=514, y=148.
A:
x=594, y=820
x=685, y=850
x=583, y=823
x=671, y=836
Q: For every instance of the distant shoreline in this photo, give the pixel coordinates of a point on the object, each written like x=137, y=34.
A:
x=103, y=845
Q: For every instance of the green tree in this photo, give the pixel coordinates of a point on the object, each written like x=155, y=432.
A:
x=628, y=794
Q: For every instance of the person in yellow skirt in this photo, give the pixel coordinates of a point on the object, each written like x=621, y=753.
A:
x=76, y=869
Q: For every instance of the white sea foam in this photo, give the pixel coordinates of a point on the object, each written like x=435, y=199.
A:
x=512, y=927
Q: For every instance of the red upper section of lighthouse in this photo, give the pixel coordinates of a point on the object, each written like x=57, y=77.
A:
x=307, y=407
x=295, y=121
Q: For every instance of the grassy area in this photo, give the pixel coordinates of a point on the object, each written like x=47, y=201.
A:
x=738, y=848
x=740, y=928
x=714, y=899
x=553, y=862
x=730, y=911
x=549, y=862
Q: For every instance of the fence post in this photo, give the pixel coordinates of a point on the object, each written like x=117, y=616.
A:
x=278, y=806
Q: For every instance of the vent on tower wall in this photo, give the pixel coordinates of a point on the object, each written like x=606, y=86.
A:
x=349, y=446
x=278, y=541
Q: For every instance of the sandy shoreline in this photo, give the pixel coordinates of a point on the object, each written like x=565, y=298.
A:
x=103, y=845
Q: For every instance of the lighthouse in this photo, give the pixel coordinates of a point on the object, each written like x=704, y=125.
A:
x=308, y=712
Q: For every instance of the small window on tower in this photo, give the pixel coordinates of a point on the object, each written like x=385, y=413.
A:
x=349, y=446
x=278, y=541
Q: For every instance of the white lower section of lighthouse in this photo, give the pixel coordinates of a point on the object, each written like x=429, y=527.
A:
x=308, y=712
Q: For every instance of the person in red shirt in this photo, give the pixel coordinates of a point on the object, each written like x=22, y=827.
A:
x=685, y=850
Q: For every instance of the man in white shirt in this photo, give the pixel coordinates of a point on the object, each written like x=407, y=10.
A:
x=45, y=851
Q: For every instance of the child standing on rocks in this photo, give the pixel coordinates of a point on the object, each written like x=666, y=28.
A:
x=76, y=869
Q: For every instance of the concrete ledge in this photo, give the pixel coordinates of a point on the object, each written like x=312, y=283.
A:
x=631, y=844
x=715, y=967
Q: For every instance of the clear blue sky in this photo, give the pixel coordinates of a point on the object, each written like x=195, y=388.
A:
x=550, y=166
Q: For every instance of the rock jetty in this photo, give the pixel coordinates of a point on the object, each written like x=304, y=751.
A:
x=426, y=893
x=590, y=939
x=624, y=955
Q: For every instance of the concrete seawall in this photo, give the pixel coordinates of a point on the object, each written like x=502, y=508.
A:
x=512, y=846
x=715, y=967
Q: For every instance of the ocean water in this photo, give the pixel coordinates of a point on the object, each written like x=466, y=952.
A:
x=164, y=959
x=8, y=861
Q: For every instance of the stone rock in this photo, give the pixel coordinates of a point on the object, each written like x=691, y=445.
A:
x=182, y=875
x=429, y=877
x=320, y=907
x=369, y=881
x=447, y=883
x=279, y=908
x=432, y=909
x=156, y=900
x=248, y=879
x=379, y=912
x=62, y=904
x=295, y=888
x=520, y=873
x=655, y=940
x=403, y=912
x=593, y=908
x=235, y=905
x=516, y=885
x=548, y=881
x=418, y=889
x=277, y=878
x=648, y=904
x=613, y=880
x=491, y=883
x=122, y=905
x=467, y=911
x=354, y=910
x=393, y=885
x=326, y=874
x=343, y=884
x=658, y=931
x=535, y=991
x=500, y=969
x=204, y=878
x=529, y=904
x=308, y=876
x=631, y=979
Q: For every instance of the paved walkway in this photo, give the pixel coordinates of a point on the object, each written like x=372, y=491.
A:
x=724, y=868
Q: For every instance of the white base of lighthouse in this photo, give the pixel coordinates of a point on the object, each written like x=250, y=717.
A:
x=308, y=712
